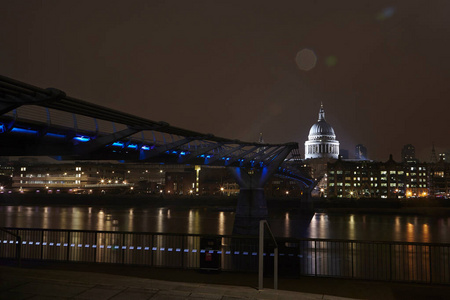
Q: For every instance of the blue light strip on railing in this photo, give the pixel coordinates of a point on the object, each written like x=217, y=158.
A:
x=115, y=247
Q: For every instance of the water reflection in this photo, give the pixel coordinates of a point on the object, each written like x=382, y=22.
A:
x=379, y=227
x=351, y=228
x=287, y=228
x=425, y=233
x=411, y=228
x=221, y=224
x=194, y=221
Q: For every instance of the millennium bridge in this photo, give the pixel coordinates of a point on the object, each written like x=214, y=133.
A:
x=46, y=122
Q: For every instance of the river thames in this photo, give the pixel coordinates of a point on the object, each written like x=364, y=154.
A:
x=359, y=226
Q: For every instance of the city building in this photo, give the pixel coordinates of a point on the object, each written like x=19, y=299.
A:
x=408, y=153
x=368, y=179
x=87, y=177
x=360, y=152
x=439, y=179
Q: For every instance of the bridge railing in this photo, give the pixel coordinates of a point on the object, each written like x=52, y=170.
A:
x=370, y=260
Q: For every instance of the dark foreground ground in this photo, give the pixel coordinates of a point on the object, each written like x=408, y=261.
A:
x=244, y=284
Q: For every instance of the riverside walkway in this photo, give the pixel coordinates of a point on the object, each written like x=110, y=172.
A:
x=104, y=281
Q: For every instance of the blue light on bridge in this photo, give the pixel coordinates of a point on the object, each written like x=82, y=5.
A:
x=21, y=130
x=55, y=135
x=82, y=138
x=118, y=144
x=2, y=128
x=145, y=148
x=182, y=153
x=132, y=146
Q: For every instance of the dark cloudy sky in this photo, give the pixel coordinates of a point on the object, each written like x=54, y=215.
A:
x=229, y=67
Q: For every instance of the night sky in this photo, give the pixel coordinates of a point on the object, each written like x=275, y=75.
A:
x=236, y=68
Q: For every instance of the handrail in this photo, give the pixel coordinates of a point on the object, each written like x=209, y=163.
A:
x=283, y=239
x=261, y=256
x=18, y=244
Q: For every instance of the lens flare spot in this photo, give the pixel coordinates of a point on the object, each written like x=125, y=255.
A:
x=386, y=13
x=331, y=61
x=306, y=59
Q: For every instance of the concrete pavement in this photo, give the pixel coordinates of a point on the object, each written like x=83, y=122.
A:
x=65, y=280
x=26, y=283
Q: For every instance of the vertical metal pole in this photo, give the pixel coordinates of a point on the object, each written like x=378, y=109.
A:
x=429, y=256
x=182, y=252
x=390, y=262
x=42, y=245
x=151, y=252
x=95, y=249
x=123, y=250
x=275, y=269
x=351, y=247
x=18, y=251
x=261, y=253
x=315, y=258
x=68, y=245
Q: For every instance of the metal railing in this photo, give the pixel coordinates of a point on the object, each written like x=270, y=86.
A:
x=384, y=261
x=18, y=243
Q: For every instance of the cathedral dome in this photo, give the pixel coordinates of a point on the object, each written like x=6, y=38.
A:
x=321, y=141
x=321, y=130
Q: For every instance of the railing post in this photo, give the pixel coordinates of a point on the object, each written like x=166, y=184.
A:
x=95, y=243
x=261, y=254
x=351, y=247
x=68, y=246
x=42, y=244
x=315, y=258
x=182, y=253
x=19, y=250
x=429, y=257
x=390, y=262
x=275, y=270
x=123, y=250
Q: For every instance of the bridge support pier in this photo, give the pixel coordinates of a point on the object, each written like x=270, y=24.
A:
x=251, y=205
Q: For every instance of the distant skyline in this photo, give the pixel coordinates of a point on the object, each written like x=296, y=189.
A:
x=238, y=68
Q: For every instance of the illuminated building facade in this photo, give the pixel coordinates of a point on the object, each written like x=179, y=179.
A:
x=85, y=177
x=440, y=178
x=366, y=179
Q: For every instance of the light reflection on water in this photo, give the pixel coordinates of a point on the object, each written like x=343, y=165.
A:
x=376, y=227
x=380, y=227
